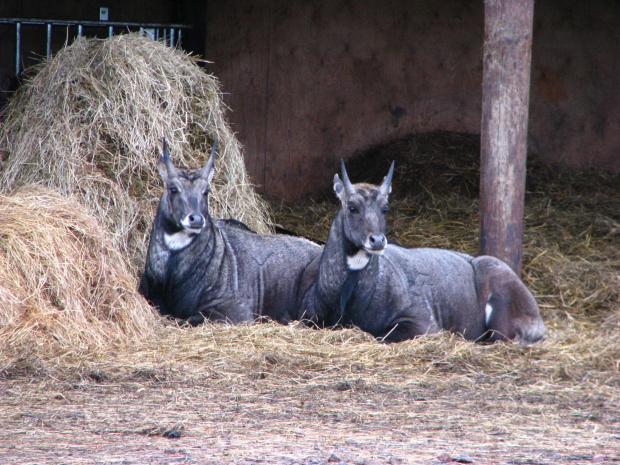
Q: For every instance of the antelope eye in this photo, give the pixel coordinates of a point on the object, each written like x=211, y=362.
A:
x=352, y=209
x=206, y=192
x=385, y=209
x=174, y=190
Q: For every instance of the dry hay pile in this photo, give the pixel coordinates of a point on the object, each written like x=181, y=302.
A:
x=90, y=123
x=63, y=285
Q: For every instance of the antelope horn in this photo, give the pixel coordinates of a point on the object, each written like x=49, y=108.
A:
x=348, y=187
x=211, y=160
x=165, y=164
x=386, y=185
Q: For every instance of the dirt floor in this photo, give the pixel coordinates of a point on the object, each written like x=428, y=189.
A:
x=288, y=395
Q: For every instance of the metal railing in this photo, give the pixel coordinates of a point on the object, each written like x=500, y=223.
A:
x=169, y=33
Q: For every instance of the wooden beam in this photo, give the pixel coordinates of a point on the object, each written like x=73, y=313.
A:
x=505, y=97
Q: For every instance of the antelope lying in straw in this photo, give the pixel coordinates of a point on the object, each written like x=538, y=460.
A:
x=197, y=268
x=397, y=294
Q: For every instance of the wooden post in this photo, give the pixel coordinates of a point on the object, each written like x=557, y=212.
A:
x=505, y=97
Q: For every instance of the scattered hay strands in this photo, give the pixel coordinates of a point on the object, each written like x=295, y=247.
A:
x=271, y=352
x=64, y=287
x=90, y=123
x=438, y=361
x=290, y=391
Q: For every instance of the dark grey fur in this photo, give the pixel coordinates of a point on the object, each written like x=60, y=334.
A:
x=397, y=294
x=198, y=268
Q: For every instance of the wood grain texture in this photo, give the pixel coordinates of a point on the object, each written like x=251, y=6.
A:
x=505, y=99
x=338, y=77
x=309, y=83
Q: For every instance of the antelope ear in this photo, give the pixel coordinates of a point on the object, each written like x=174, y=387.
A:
x=339, y=188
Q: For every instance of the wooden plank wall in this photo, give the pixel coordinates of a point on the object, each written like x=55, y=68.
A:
x=311, y=82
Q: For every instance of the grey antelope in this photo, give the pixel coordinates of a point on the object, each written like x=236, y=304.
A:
x=396, y=293
x=197, y=268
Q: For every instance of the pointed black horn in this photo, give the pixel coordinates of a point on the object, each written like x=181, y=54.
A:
x=348, y=187
x=213, y=148
x=211, y=160
x=165, y=154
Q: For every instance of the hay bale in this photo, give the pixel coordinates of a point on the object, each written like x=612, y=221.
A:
x=63, y=285
x=90, y=123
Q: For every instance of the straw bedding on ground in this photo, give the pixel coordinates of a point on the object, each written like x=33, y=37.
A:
x=288, y=395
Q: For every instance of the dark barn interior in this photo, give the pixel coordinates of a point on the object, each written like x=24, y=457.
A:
x=309, y=83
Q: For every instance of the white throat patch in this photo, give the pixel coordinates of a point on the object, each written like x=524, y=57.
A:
x=178, y=240
x=358, y=261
